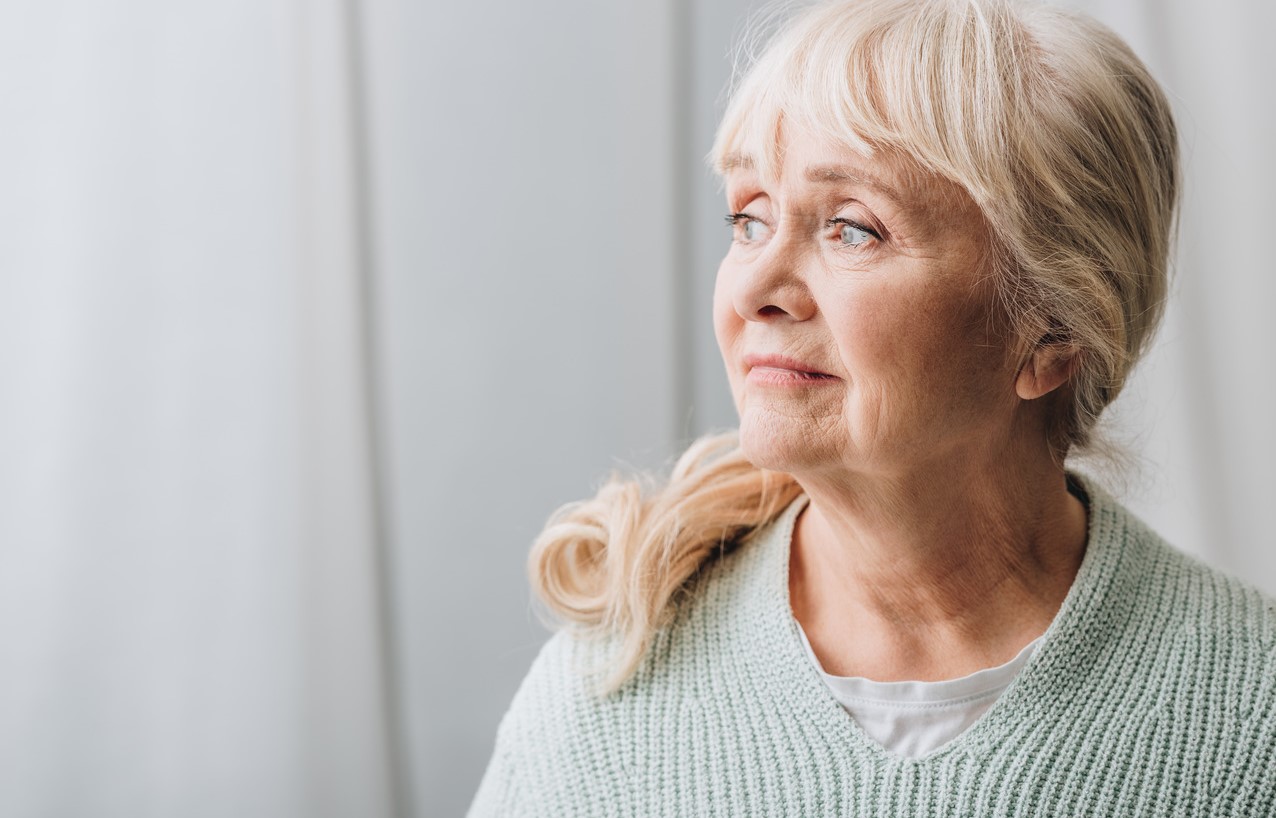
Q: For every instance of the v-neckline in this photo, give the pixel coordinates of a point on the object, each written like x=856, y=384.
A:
x=1063, y=649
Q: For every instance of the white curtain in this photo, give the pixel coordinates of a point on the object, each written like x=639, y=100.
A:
x=1200, y=409
x=189, y=607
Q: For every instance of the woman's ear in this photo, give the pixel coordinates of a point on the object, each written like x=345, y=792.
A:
x=1049, y=366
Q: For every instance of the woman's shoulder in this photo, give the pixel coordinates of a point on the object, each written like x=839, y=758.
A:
x=1202, y=597
x=567, y=741
x=566, y=682
x=558, y=683
x=552, y=718
x=1202, y=614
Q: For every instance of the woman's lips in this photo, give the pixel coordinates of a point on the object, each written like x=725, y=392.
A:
x=781, y=370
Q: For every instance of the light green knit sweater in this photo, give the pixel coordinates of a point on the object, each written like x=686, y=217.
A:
x=1152, y=693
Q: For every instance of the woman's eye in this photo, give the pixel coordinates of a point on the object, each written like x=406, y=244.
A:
x=747, y=227
x=850, y=233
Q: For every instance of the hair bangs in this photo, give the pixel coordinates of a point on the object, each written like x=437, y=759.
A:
x=842, y=78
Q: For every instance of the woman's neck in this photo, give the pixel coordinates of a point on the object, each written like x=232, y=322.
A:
x=936, y=574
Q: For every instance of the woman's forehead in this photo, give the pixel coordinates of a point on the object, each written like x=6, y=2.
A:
x=812, y=159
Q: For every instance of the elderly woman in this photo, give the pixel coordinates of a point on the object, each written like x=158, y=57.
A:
x=950, y=228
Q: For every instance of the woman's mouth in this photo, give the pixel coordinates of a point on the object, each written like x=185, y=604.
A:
x=781, y=370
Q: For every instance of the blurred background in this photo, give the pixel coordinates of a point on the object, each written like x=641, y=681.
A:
x=312, y=311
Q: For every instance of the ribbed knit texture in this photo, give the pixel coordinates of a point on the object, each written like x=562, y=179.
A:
x=1153, y=693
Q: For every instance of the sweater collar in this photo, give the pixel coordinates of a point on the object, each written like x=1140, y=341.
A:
x=1076, y=640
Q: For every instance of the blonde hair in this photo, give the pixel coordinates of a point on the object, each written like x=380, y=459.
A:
x=1060, y=136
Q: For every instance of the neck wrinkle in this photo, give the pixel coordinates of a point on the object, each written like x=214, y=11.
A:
x=963, y=585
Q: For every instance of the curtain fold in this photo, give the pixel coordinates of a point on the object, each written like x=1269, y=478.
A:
x=1198, y=409
x=189, y=597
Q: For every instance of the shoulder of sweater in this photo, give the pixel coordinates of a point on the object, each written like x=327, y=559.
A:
x=1202, y=604
x=536, y=732
x=562, y=742
x=559, y=698
x=558, y=681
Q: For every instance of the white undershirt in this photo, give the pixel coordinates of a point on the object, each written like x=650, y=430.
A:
x=913, y=718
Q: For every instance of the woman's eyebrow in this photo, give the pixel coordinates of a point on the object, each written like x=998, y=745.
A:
x=841, y=174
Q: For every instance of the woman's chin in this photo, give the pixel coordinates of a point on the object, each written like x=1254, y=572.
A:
x=780, y=444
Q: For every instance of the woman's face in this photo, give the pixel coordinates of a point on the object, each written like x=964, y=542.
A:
x=855, y=319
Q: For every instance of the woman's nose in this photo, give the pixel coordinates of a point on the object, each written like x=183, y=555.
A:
x=772, y=286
